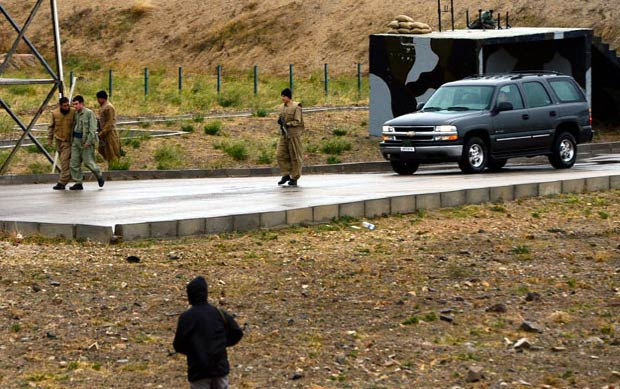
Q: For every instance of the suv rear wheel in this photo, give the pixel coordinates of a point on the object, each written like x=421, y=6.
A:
x=495, y=165
x=475, y=156
x=404, y=168
x=564, y=152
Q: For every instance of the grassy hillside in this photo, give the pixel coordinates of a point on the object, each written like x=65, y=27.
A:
x=271, y=33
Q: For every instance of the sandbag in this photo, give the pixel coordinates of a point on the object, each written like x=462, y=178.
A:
x=408, y=25
x=419, y=25
x=392, y=31
x=404, y=31
x=393, y=24
x=403, y=18
x=420, y=31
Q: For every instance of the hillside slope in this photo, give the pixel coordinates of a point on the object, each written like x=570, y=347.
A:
x=271, y=33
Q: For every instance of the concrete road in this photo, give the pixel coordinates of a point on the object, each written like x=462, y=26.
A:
x=125, y=202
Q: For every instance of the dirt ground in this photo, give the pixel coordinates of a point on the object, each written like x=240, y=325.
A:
x=334, y=306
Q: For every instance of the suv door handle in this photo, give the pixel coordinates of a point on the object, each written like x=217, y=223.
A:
x=552, y=113
x=525, y=116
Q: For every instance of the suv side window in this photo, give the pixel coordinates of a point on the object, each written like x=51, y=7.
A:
x=566, y=91
x=510, y=93
x=536, y=94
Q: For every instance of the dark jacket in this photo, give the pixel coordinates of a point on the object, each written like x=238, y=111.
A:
x=202, y=335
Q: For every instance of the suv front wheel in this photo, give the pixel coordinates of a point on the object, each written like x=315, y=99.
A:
x=404, y=168
x=475, y=155
x=564, y=152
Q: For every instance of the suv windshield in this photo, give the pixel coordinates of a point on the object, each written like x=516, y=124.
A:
x=460, y=98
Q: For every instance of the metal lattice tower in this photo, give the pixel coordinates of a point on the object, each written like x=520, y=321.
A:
x=56, y=81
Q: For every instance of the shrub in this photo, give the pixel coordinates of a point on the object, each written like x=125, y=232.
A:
x=265, y=157
x=198, y=118
x=236, y=150
x=339, y=132
x=332, y=159
x=229, y=100
x=187, y=128
x=335, y=146
x=133, y=142
x=120, y=164
x=260, y=112
x=169, y=157
x=213, y=128
x=411, y=320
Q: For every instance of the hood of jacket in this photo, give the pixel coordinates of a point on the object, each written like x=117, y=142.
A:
x=197, y=291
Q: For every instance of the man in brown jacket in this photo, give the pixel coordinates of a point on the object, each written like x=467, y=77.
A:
x=290, y=149
x=59, y=135
x=109, y=142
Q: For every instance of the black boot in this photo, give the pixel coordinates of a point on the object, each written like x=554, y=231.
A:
x=284, y=180
x=76, y=187
x=59, y=186
x=292, y=182
x=100, y=181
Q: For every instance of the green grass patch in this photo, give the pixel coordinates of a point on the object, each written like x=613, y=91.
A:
x=431, y=316
x=339, y=132
x=236, y=150
x=265, y=156
x=335, y=146
x=521, y=249
x=39, y=168
x=213, y=128
x=260, y=112
x=120, y=164
x=187, y=128
x=198, y=118
x=411, y=320
x=229, y=99
x=332, y=160
x=169, y=157
x=132, y=142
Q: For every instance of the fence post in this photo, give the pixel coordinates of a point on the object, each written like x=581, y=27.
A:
x=71, y=79
x=110, y=82
x=219, y=78
x=180, y=79
x=326, y=78
x=290, y=77
x=146, y=82
x=359, y=79
x=255, y=80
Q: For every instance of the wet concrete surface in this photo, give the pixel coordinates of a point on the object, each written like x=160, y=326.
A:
x=123, y=202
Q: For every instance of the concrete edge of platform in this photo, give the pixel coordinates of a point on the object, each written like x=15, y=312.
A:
x=586, y=151
x=371, y=208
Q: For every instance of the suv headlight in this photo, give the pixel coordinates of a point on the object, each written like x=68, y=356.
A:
x=445, y=128
x=388, y=129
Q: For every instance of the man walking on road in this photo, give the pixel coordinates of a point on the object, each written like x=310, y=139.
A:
x=203, y=333
x=59, y=135
x=290, y=149
x=84, y=144
x=109, y=143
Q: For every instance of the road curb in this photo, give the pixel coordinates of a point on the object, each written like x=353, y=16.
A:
x=370, y=208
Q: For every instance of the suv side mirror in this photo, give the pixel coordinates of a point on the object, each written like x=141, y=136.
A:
x=503, y=106
x=419, y=106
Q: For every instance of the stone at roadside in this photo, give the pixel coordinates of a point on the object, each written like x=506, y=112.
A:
x=529, y=326
x=50, y=335
x=55, y=283
x=173, y=256
x=447, y=318
x=297, y=375
x=558, y=349
x=474, y=374
x=595, y=340
x=36, y=288
x=532, y=296
x=122, y=360
x=497, y=308
x=341, y=358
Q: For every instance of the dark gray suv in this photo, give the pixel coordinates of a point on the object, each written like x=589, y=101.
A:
x=482, y=121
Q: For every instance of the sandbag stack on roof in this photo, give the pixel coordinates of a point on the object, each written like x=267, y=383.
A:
x=403, y=24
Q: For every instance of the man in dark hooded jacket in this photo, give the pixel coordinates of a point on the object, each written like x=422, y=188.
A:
x=203, y=333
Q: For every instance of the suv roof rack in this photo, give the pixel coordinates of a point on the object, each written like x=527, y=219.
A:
x=514, y=75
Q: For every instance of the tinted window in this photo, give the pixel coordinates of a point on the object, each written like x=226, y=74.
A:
x=510, y=93
x=536, y=94
x=460, y=98
x=566, y=91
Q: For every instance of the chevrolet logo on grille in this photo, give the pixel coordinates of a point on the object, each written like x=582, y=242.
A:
x=411, y=133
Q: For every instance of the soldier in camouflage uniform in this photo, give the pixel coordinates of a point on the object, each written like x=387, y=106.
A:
x=59, y=135
x=290, y=148
x=84, y=144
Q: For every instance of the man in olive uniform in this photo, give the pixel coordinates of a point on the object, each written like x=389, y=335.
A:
x=109, y=143
x=59, y=135
x=84, y=144
x=290, y=148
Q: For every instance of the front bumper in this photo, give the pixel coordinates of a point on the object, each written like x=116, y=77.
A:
x=440, y=153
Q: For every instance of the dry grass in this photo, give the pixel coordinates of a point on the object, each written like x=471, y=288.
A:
x=141, y=7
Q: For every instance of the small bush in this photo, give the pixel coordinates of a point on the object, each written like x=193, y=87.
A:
x=521, y=250
x=213, y=128
x=169, y=157
x=187, y=128
x=132, y=142
x=339, y=132
x=39, y=168
x=229, y=100
x=431, y=316
x=411, y=320
x=332, y=160
x=236, y=150
x=260, y=112
x=265, y=157
x=335, y=146
x=120, y=164
x=198, y=118
x=32, y=149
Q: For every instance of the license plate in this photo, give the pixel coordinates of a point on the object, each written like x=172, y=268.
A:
x=408, y=149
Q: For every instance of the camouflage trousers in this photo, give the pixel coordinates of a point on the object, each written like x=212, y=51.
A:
x=290, y=155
